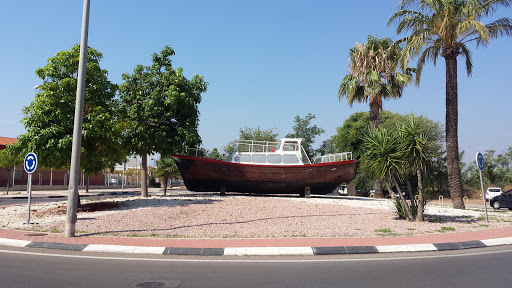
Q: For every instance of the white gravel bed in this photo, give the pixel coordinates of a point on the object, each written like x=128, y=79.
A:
x=212, y=216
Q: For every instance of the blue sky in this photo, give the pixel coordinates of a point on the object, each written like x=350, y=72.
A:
x=266, y=61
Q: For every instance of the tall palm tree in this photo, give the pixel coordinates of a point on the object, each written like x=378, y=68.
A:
x=444, y=28
x=373, y=76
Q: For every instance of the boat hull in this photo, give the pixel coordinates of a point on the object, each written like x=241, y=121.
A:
x=207, y=175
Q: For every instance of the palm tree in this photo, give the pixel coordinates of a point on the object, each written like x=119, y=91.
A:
x=383, y=159
x=166, y=169
x=444, y=28
x=373, y=76
x=418, y=148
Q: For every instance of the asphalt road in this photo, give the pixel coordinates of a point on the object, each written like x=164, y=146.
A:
x=483, y=267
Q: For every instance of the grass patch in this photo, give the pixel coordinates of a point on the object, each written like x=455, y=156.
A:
x=484, y=225
x=411, y=229
x=298, y=234
x=385, y=230
x=55, y=230
x=446, y=229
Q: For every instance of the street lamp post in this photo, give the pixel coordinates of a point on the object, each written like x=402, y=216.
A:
x=74, y=176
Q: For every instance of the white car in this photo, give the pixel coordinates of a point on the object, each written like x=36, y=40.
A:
x=492, y=192
x=343, y=190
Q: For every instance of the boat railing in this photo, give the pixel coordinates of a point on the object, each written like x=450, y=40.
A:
x=334, y=157
x=253, y=146
x=197, y=152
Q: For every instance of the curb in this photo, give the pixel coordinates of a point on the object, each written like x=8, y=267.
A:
x=260, y=251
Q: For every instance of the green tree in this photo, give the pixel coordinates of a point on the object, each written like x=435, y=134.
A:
x=161, y=109
x=384, y=160
x=214, y=154
x=166, y=169
x=258, y=134
x=49, y=117
x=349, y=138
x=374, y=76
x=444, y=28
x=497, y=172
x=253, y=134
x=418, y=147
x=9, y=158
x=303, y=129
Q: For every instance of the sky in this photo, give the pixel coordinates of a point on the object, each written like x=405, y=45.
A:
x=265, y=62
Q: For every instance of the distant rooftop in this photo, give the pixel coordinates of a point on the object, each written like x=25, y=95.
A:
x=6, y=140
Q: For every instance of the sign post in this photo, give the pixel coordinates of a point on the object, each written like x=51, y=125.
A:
x=481, y=166
x=30, y=165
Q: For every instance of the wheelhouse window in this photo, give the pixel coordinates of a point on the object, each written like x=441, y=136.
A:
x=290, y=146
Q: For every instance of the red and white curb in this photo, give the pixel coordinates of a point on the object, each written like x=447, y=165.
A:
x=260, y=251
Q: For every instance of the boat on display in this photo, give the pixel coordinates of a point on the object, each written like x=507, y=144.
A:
x=266, y=168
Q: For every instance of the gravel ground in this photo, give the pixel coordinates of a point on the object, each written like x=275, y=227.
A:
x=212, y=216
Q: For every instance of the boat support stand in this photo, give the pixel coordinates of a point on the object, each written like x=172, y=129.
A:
x=306, y=193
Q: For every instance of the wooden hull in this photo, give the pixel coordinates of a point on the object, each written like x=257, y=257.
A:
x=207, y=175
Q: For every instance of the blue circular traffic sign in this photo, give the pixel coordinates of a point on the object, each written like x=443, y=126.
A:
x=480, y=161
x=30, y=163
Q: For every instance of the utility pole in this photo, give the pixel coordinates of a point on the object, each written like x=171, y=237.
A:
x=74, y=176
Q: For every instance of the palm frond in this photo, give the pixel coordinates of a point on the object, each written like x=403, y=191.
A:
x=467, y=55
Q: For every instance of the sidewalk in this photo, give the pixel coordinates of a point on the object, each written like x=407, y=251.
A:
x=251, y=246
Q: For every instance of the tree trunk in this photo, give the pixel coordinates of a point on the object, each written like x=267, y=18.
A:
x=374, y=123
x=452, y=138
x=379, y=193
x=404, y=202
x=409, y=189
x=390, y=189
x=9, y=181
x=144, y=176
x=419, y=216
x=374, y=115
x=87, y=184
x=165, y=180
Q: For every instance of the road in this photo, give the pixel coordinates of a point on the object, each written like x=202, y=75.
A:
x=483, y=267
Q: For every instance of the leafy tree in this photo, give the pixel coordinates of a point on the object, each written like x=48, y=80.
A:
x=349, y=138
x=166, y=169
x=383, y=159
x=258, y=134
x=214, y=154
x=497, y=172
x=253, y=134
x=303, y=129
x=49, y=117
x=161, y=109
x=9, y=158
x=444, y=28
x=418, y=147
x=373, y=76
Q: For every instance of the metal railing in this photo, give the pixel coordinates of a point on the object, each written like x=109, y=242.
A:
x=252, y=146
x=334, y=157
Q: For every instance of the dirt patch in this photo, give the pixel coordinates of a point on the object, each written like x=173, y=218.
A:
x=86, y=207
